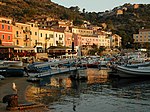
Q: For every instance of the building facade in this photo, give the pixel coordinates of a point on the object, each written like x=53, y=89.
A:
x=89, y=40
x=115, y=41
x=6, y=32
x=59, y=37
x=26, y=33
x=142, y=38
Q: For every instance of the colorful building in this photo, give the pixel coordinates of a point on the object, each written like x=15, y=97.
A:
x=18, y=36
x=82, y=31
x=90, y=40
x=143, y=37
x=6, y=32
x=104, y=41
x=26, y=33
x=77, y=40
x=59, y=37
x=68, y=39
x=115, y=41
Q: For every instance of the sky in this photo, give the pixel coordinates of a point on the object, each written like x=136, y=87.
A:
x=97, y=5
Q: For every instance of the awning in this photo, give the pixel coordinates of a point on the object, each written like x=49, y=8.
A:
x=25, y=48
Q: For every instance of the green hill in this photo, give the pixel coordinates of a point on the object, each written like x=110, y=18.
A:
x=25, y=10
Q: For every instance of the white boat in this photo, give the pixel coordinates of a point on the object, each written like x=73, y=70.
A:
x=11, y=63
x=136, y=65
x=124, y=71
x=12, y=68
x=39, y=74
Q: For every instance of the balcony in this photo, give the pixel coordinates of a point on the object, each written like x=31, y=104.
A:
x=27, y=39
x=17, y=36
x=26, y=31
x=47, y=38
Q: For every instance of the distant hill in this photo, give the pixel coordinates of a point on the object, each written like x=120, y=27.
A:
x=123, y=20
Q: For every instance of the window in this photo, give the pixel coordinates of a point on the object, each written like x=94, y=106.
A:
x=2, y=26
x=17, y=42
x=3, y=36
x=35, y=41
x=26, y=37
x=17, y=33
x=35, y=33
x=41, y=34
x=8, y=27
x=8, y=37
x=26, y=28
x=50, y=35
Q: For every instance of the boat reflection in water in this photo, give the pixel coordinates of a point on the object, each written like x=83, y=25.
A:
x=96, y=94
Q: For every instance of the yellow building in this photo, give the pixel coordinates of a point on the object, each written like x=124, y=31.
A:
x=103, y=39
x=26, y=33
x=142, y=37
x=18, y=36
x=119, y=12
x=136, y=6
x=45, y=39
x=115, y=41
x=82, y=31
x=34, y=33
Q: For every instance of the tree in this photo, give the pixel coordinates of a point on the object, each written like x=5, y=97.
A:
x=75, y=9
x=77, y=22
x=101, y=49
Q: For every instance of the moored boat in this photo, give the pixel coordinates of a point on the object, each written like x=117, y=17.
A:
x=124, y=71
x=12, y=68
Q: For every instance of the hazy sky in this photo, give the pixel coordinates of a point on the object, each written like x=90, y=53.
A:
x=98, y=5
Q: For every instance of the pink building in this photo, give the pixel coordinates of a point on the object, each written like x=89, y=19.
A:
x=68, y=39
x=89, y=40
x=77, y=40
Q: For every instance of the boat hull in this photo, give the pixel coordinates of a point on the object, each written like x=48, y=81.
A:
x=12, y=72
x=123, y=71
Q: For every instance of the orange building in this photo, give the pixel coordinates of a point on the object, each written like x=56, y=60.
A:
x=6, y=32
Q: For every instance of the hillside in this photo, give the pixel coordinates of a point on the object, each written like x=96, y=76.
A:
x=125, y=24
x=25, y=10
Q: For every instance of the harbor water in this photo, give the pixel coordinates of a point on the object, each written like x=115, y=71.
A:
x=96, y=94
